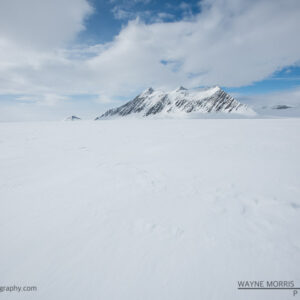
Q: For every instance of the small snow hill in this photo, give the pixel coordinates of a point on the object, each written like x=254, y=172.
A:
x=72, y=118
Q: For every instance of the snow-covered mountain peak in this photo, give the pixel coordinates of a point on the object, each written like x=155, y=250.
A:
x=181, y=88
x=148, y=91
x=180, y=101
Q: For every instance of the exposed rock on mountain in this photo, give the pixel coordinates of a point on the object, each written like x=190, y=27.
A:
x=281, y=106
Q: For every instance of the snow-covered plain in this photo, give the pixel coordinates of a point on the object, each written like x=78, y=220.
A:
x=149, y=209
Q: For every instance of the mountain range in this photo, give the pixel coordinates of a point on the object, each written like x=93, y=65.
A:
x=179, y=102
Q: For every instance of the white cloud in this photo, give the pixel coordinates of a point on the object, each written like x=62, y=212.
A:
x=36, y=23
x=164, y=16
x=45, y=99
x=121, y=13
x=230, y=43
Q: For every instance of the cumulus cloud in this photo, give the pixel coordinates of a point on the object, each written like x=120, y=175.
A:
x=229, y=43
x=36, y=23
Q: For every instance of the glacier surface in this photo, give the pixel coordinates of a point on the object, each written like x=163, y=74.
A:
x=149, y=209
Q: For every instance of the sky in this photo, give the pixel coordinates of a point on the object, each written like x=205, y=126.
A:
x=65, y=57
